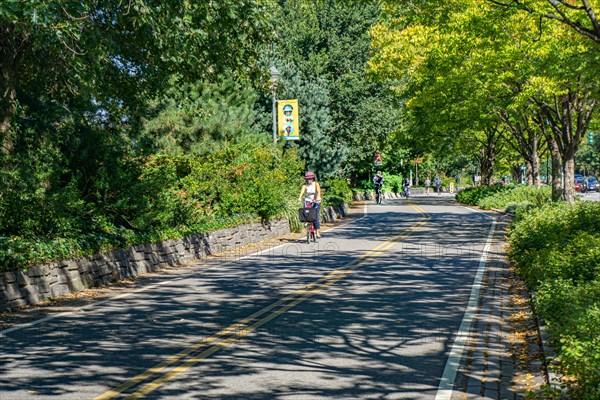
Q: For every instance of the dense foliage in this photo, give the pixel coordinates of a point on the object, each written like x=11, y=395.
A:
x=163, y=197
x=473, y=195
x=517, y=196
x=336, y=192
x=131, y=122
x=483, y=79
x=556, y=248
x=323, y=50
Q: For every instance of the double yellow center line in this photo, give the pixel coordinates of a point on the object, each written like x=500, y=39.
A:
x=187, y=358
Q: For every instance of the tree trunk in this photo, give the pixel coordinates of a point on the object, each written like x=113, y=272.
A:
x=515, y=172
x=535, y=163
x=557, y=171
x=487, y=166
x=416, y=173
x=527, y=140
x=529, y=173
x=8, y=88
x=493, y=144
x=569, y=116
x=569, y=179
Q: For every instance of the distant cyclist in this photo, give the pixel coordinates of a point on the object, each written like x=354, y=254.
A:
x=406, y=187
x=378, y=182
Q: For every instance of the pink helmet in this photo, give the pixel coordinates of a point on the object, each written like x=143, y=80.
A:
x=309, y=175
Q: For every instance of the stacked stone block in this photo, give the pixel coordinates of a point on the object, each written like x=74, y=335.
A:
x=20, y=288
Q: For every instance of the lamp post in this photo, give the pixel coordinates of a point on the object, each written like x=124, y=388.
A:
x=274, y=81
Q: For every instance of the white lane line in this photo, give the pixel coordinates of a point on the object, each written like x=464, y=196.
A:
x=480, y=212
x=444, y=391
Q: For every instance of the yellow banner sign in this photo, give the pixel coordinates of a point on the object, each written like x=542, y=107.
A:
x=288, y=126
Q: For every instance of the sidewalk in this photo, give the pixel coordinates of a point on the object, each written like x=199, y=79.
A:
x=504, y=358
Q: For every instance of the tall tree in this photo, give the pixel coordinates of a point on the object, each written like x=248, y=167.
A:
x=497, y=58
x=117, y=52
x=569, y=117
x=329, y=40
x=579, y=15
x=526, y=142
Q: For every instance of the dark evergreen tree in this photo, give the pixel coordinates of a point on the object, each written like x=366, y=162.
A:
x=318, y=144
x=330, y=40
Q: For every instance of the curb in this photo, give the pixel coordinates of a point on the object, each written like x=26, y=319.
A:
x=549, y=354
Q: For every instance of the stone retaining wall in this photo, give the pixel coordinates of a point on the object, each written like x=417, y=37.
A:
x=329, y=214
x=19, y=288
x=389, y=195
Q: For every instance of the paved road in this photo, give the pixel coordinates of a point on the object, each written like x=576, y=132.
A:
x=370, y=312
x=590, y=196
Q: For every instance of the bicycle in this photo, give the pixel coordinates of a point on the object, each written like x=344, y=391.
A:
x=406, y=192
x=308, y=215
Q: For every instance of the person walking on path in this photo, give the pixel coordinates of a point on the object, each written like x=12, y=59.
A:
x=427, y=184
x=311, y=190
x=438, y=185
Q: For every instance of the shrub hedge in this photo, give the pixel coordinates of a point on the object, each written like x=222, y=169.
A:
x=169, y=197
x=473, y=195
x=517, y=197
x=336, y=192
x=556, y=249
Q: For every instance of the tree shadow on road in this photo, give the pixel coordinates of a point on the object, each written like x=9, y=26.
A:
x=384, y=330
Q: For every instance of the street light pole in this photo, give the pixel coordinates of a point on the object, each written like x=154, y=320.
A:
x=274, y=80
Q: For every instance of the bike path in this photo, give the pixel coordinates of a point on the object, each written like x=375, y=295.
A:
x=368, y=312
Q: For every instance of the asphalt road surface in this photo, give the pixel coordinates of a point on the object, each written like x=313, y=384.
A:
x=371, y=311
x=590, y=196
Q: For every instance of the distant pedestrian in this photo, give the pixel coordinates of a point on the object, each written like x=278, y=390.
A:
x=427, y=184
x=438, y=185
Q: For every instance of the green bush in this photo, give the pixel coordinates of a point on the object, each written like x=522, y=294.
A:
x=393, y=183
x=338, y=188
x=572, y=315
x=333, y=200
x=446, y=181
x=576, y=260
x=516, y=194
x=474, y=195
x=173, y=196
x=556, y=249
x=519, y=209
x=555, y=232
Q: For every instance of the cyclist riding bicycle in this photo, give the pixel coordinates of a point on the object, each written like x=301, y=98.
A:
x=406, y=187
x=378, y=182
x=311, y=190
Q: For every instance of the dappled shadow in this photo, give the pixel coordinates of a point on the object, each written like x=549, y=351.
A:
x=384, y=330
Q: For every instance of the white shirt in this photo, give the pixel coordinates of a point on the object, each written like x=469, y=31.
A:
x=311, y=191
